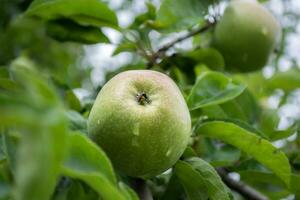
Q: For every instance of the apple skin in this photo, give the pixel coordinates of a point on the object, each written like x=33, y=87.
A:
x=246, y=35
x=141, y=139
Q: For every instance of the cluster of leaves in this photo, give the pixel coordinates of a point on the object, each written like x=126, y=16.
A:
x=45, y=152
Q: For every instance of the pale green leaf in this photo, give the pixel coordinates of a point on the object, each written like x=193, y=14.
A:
x=176, y=15
x=216, y=189
x=191, y=180
x=261, y=149
x=212, y=88
x=87, y=162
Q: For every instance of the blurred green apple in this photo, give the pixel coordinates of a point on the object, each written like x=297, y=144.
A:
x=246, y=35
x=140, y=119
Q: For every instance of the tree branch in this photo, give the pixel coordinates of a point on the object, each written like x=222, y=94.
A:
x=161, y=51
x=243, y=189
x=141, y=188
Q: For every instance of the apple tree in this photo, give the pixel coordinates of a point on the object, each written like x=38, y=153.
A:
x=156, y=99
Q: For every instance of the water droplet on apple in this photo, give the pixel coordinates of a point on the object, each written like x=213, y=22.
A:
x=136, y=129
x=264, y=31
x=168, y=153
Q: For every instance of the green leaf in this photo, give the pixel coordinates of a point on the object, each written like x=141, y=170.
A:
x=7, y=84
x=208, y=56
x=76, y=121
x=4, y=72
x=38, y=159
x=10, y=143
x=220, y=156
x=128, y=192
x=84, y=12
x=244, y=107
x=86, y=157
x=35, y=114
x=242, y=110
x=268, y=123
x=191, y=181
x=125, y=46
x=174, y=190
x=176, y=15
x=68, y=189
x=66, y=30
x=213, y=88
x=5, y=188
x=72, y=101
x=199, y=180
x=143, y=18
x=216, y=189
x=289, y=80
x=266, y=178
x=87, y=162
x=262, y=150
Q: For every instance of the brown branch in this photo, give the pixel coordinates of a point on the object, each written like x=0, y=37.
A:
x=240, y=187
x=161, y=51
x=141, y=188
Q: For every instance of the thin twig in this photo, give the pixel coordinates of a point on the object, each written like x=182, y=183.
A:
x=240, y=187
x=161, y=51
x=141, y=188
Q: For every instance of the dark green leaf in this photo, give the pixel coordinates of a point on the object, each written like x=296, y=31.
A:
x=84, y=12
x=174, y=190
x=66, y=30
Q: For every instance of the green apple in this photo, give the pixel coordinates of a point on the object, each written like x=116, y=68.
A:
x=246, y=35
x=141, y=120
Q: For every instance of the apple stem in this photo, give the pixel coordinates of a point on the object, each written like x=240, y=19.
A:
x=142, y=98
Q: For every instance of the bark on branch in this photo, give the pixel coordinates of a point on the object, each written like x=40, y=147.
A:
x=142, y=190
x=161, y=51
x=240, y=187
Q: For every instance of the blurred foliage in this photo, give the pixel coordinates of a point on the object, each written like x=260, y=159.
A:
x=44, y=149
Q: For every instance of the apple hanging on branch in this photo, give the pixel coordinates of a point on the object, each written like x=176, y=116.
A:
x=246, y=35
x=140, y=119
